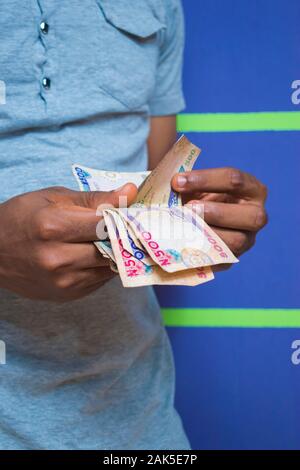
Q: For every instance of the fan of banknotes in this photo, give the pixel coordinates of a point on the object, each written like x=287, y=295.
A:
x=157, y=240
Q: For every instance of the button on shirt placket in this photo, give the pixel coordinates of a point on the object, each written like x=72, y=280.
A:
x=44, y=27
x=46, y=82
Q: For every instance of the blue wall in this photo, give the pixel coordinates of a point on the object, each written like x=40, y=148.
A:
x=237, y=387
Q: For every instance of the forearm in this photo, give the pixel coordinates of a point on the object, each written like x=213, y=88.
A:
x=161, y=138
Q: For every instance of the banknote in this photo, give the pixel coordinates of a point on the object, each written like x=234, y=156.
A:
x=105, y=249
x=133, y=237
x=90, y=179
x=135, y=273
x=127, y=241
x=156, y=189
x=177, y=238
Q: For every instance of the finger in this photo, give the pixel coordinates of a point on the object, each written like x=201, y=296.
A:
x=216, y=197
x=82, y=256
x=84, y=282
x=66, y=224
x=93, y=277
x=78, y=223
x=123, y=196
x=238, y=242
x=250, y=217
x=221, y=267
x=65, y=197
x=220, y=180
x=87, y=230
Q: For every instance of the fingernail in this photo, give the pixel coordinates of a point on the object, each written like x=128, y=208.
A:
x=181, y=181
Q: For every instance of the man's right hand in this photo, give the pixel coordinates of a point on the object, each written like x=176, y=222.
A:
x=45, y=243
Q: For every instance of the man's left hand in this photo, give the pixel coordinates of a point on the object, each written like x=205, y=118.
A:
x=233, y=203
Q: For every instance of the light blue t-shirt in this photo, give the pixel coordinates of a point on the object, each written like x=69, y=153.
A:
x=79, y=80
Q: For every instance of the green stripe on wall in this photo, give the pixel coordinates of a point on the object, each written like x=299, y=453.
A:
x=238, y=318
x=239, y=122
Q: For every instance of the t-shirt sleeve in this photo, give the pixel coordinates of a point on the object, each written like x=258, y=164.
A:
x=168, y=96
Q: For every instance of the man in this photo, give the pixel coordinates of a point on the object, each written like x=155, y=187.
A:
x=89, y=364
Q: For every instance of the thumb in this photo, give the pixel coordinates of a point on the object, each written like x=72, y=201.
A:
x=121, y=197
